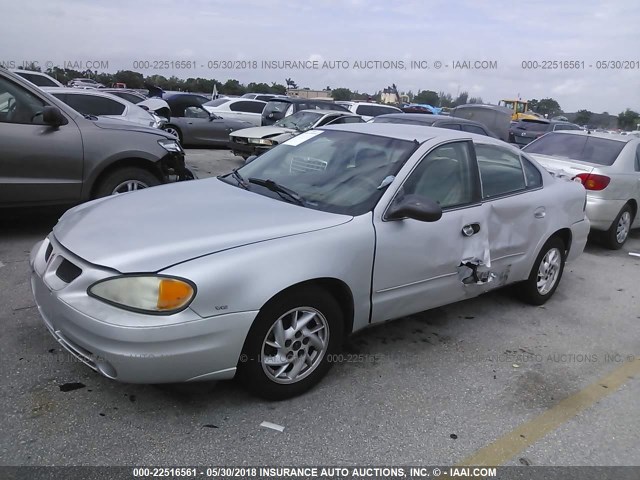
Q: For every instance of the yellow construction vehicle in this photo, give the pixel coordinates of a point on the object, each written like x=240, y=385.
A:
x=520, y=110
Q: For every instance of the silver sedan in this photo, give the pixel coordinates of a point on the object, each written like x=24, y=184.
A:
x=261, y=273
x=609, y=168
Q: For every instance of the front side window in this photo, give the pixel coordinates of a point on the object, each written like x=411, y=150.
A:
x=474, y=129
x=333, y=171
x=446, y=175
x=94, y=105
x=450, y=126
x=500, y=171
x=195, y=112
x=18, y=105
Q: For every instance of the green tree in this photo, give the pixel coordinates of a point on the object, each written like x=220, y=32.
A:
x=341, y=94
x=583, y=117
x=233, y=87
x=533, y=105
x=132, y=79
x=258, y=88
x=549, y=107
x=475, y=100
x=462, y=99
x=628, y=120
x=445, y=100
x=427, y=96
x=277, y=88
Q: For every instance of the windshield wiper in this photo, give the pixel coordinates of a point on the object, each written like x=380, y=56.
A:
x=239, y=178
x=279, y=189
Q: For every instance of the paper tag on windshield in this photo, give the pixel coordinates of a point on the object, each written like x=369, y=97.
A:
x=303, y=137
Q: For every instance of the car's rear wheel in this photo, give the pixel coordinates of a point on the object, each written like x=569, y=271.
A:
x=288, y=348
x=545, y=274
x=126, y=180
x=618, y=233
x=175, y=131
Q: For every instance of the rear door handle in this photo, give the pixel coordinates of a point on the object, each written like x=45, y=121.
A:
x=540, y=212
x=470, y=229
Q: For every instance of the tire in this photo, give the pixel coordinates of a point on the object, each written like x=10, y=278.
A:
x=173, y=130
x=268, y=371
x=125, y=179
x=530, y=291
x=617, y=235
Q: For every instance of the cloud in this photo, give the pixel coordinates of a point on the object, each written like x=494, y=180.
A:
x=122, y=32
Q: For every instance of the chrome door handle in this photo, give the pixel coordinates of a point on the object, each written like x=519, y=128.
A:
x=540, y=212
x=470, y=229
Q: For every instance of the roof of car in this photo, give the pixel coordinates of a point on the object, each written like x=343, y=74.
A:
x=417, y=133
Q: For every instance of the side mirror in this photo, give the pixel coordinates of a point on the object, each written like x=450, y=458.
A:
x=415, y=207
x=250, y=159
x=53, y=116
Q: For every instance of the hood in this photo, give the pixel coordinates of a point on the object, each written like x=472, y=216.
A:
x=562, y=167
x=262, y=132
x=152, y=229
x=118, y=124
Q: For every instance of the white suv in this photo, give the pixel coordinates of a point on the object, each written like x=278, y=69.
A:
x=369, y=110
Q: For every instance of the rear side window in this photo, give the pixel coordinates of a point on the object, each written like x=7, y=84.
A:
x=39, y=80
x=374, y=110
x=583, y=148
x=450, y=126
x=217, y=102
x=93, y=105
x=343, y=120
x=325, y=106
x=500, y=171
x=130, y=97
x=248, y=107
x=531, y=173
x=474, y=129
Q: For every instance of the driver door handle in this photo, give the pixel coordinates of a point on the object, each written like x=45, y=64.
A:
x=470, y=229
x=540, y=212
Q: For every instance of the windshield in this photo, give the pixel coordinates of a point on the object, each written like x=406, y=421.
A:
x=583, y=148
x=300, y=121
x=333, y=171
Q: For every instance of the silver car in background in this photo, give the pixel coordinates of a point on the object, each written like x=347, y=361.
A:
x=95, y=102
x=609, y=168
x=264, y=271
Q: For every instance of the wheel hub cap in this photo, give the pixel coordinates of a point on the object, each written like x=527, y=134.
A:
x=129, y=186
x=624, y=224
x=295, y=345
x=548, y=271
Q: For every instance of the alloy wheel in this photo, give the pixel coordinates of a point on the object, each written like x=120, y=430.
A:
x=129, y=186
x=548, y=271
x=623, y=227
x=295, y=345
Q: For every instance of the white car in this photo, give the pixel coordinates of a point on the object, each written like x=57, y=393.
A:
x=93, y=102
x=369, y=110
x=39, y=79
x=244, y=109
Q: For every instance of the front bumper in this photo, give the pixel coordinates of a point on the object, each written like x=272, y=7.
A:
x=173, y=167
x=603, y=212
x=126, y=346
x=245, y=150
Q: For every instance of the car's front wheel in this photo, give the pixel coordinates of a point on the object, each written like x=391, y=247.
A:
x=125, y=180
x=618, y=233
x=173, y=130
x=289, y=347
x=545, y=274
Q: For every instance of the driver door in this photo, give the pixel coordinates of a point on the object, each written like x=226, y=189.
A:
x=419, y=265
x=38, y=163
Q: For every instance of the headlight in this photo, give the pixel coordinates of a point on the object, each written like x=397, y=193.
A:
x=170, y=145
x=261, y=141
x=149, y=294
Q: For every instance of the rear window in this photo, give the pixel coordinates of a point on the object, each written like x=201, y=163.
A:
x=583, y=148
x=94, y=105
x=566, y=126
x=532, y=126
x=374, y=110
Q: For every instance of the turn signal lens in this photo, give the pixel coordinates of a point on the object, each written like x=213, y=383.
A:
x=592, y=181
x=173, y=294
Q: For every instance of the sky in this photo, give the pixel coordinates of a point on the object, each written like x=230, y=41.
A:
x=429, y=31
